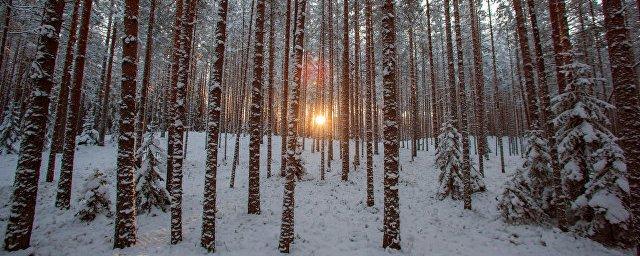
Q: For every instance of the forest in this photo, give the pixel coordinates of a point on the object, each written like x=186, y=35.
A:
x=320, y=127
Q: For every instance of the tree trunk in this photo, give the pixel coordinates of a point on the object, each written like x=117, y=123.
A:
x=271, y=108
x=63, y=198
x=106, y=91
x=344, y=93
x=527, y=68
x=462, y=100
x=496, y=93
x=208, y=239
x=146, y=76
x=294, y=165
x=369, y=99
x=391, y=225
x=125, y=231
x=20, y=223
x=63, y=96
x=175, y=57
x=435, y=107
x=179, y=119
x=414, y=96
x=255, y=120
x=355, y=103
x=561, y=47
x=285, y=92
x=5, y=30
x=626, y=99
x=479, y=86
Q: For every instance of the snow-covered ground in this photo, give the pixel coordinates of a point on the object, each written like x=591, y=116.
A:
x=331, y=217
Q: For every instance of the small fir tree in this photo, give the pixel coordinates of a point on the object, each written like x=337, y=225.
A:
x=448, y=160
x=95, y=197
x=150, y=186
x=594, y=173
x=89, y=135
x=527, y=195
x=10, y=130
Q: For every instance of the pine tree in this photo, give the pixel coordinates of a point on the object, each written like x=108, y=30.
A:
x=208, y=238
x=294, y=164
x=146, y=77
x=344, y=94
x=63, y=196
x=95, y=198
x=179, y=120
x=150, y=190
x=10, y=130
x=285, y=91
x=528, y=194
x=594, y=173
x=627, y=101
x=369, y=102
x=448, y=159
x=479, y=87
x=20, y=223
x=125, y=223
x=63, y=95
x=391, y=225
x=602, y=211
x=255, y=119
x=89, y=135
x=106, y=91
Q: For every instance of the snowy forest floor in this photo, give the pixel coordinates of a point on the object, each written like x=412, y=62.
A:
x=331, y=217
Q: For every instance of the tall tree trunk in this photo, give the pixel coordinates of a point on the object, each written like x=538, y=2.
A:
x=479, y=86
x=344, y=93
x=370, y=79
x=63, y=96
x=391, y=225
x=271, y=108
x=561, y=47
x=529, y=84
x=498, y=124
x=545, y=114
x=626, y=99
x=462, y=100
x=5, y=31
x=330, y=122
x=355, y=104
x=435, y=107
x=20, y=223
x=146, y=76
x=179, y=119
x=175, y=57
x=561, y=41
x=208, y=239
x=294, y=165
x=414, y=96
x=285, y=91
x=255, y=120
x=125, y=233
x=106, y=89
x=453, y=105
x=63, y=198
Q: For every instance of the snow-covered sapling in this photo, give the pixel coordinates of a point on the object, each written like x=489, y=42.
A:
x=89, y=135
x=449, y=162
x=528, y=193
x=150, y=189
x=10, y=130
x=593, y=171
x=95, y=198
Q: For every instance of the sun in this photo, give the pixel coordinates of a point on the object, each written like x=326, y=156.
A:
x=319, y=120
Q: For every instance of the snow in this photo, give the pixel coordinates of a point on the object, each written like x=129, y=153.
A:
x=331, y=216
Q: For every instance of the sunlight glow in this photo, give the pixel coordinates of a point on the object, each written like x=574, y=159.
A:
x=319, y=120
